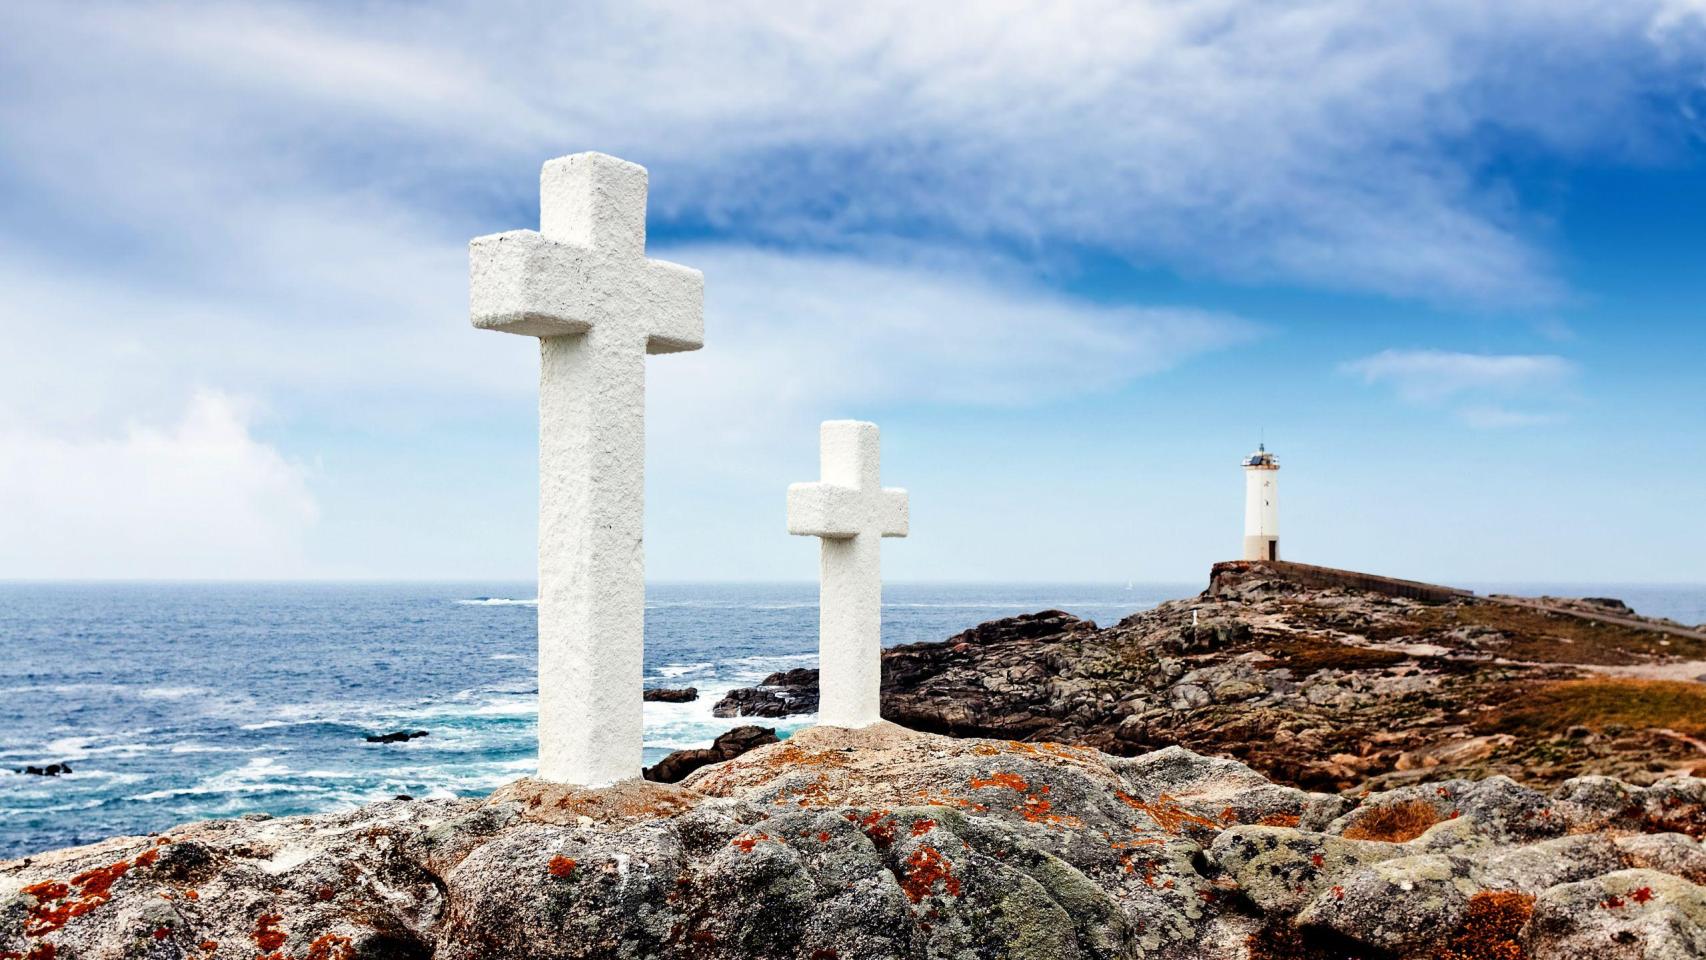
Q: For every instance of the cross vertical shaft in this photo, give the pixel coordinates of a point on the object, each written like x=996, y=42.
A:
x=850, y=632
x=591, y=556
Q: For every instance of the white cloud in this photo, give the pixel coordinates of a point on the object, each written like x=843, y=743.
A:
x=791, y=339
x=1321, y=143
x=1432, y=377
x=200, y=497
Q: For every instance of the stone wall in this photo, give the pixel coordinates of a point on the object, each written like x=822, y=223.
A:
x=1317, y=578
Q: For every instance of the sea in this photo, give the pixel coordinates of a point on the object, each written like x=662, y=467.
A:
x=174, y=702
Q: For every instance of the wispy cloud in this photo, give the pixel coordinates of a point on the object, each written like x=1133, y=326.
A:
x=793, y=338
x=198, y=497
x=1438, y=376
x=1318, y=143
x=1427, y=375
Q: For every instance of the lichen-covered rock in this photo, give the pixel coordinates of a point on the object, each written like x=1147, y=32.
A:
x=1621, y=916
x=1400, y=905
x=885, y=843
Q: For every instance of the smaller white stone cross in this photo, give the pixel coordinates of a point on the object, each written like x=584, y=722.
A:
x=850, y=510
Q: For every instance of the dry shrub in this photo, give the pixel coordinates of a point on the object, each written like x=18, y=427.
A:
x=1393, y=823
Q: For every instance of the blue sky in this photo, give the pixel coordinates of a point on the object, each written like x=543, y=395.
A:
x=1075, y=259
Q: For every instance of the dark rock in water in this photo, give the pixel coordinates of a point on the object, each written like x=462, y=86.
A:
x=779, y=695
x=676, y=766
x=51, y=770
x=398, y=737
x=666, y=695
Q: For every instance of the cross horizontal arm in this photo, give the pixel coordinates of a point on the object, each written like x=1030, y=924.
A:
x=673, y=300
x=525, y=283
x=895, y=513
x=829, y=511
x=520, y=282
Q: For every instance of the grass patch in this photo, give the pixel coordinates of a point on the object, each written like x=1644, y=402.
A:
x=1308, y=656
x=1541, y=637
x=1596, y=704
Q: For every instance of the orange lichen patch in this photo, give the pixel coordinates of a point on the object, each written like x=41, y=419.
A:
x=1280, y=820
x=161, y=933
x=560, y=867
x=925, y=869
x=925, y=798
x=330, y=946
x=58, y=902
x=877, y=825
x=1394, y=823
x=147, y=858
x=1010, y=781
x=192, y=894
x=816, y=794
x=39, y=951
x=1641, y=894
x=746, y=841
x=921, y=827
x=210, y=945
x=1166, y=812
x=1491, y=927
x=1037, y=810
x=266, y=935
x=791, y=755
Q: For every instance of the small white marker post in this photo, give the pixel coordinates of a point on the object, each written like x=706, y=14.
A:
x=850, y=511
x=583, y=286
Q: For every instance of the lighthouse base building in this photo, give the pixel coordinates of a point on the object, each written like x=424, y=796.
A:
x=1261, y=505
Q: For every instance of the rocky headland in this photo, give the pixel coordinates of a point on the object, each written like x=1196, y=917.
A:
x=1273, y=770
x=886, y=843
x=1325, y=688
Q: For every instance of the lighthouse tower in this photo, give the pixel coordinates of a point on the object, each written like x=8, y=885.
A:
x=1261, y=505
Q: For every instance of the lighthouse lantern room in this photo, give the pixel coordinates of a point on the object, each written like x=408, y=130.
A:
x=1261, y=505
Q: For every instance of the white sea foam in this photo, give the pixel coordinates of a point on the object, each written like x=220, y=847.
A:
x=506, y=656
x=672, y=670
x=497, y=602
x=170, y=693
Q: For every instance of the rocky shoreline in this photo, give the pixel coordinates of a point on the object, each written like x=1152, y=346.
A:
x=885, y=843
x=1267, y=771
x=1325, y=689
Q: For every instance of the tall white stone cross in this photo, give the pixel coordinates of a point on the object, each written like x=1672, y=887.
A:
x=851, y=511
x=584, y=287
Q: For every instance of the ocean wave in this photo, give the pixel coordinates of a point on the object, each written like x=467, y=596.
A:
x=673, y=670
x=170, y=693
x=507, y=656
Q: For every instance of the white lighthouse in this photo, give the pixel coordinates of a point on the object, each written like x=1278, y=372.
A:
x=1261, y=505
